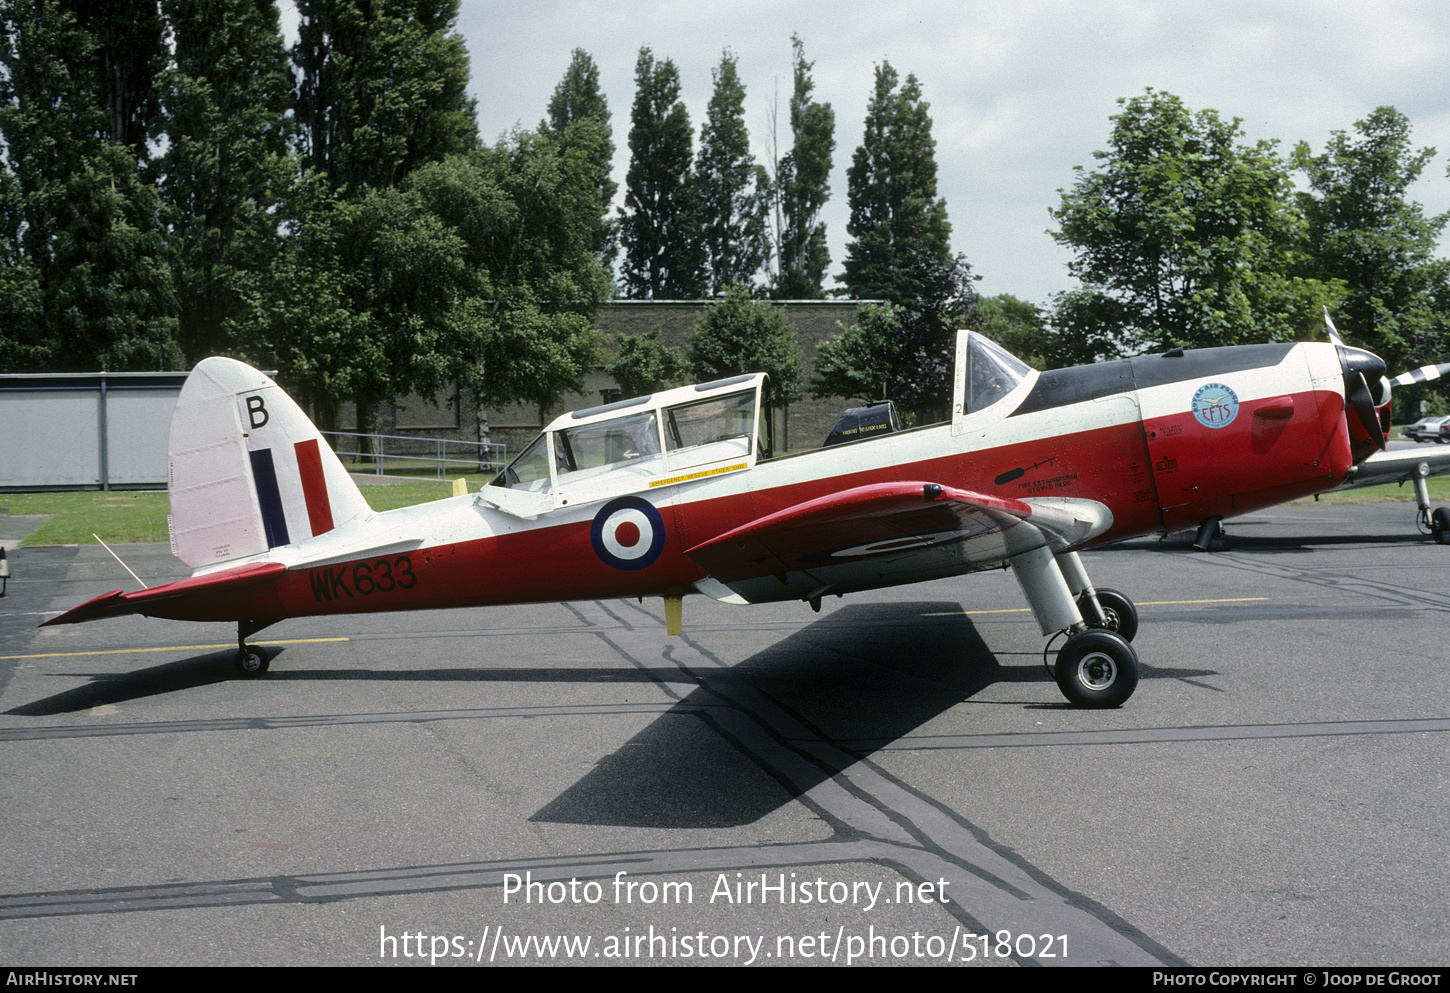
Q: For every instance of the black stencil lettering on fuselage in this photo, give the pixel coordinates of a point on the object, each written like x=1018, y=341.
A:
x=366, y=578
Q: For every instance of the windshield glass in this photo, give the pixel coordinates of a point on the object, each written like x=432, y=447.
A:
x=529, y=470
x=992, y=373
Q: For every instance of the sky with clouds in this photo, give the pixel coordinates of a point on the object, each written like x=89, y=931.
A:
x=1020, y=92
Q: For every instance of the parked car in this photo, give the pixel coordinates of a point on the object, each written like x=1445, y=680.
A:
x=1429, y=429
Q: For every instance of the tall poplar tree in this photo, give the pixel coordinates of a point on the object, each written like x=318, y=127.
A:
x=130, y=56
x=892, y=188
x=660, y=231
x=803, y=188
x=86, y=285
x=227, y=161
x=733, y=196
x=577, y=99
x=382, y=88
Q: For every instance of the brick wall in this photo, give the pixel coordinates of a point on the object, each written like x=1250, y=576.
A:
x=807, y=421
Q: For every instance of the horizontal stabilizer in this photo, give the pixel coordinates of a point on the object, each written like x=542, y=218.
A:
x=212, y=597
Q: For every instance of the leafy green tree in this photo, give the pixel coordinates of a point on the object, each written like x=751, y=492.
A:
x=645, y=364
x=529, y=218
x=382, y=88
x=732, y=192
x=479, y=270
x=578, y=98
x=855, y=363
x=738, y=334
x=1184, y=236
x=365, y=304
x=88, y=285
x=892, y=191
x=803, y=188
x=1018, y=326
x=904, y=352
x=226, y=162
x=660, y=231
x=1363, y=230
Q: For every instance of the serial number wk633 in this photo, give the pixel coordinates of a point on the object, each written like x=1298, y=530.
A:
x=362, y=579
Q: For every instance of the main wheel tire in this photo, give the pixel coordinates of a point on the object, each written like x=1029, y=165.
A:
x=1097, y=668
x=251, y=662
x=1440, y=525
x=1122, y=615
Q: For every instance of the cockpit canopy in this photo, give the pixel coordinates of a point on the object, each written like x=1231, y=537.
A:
x=697, y=431
x=649, y=438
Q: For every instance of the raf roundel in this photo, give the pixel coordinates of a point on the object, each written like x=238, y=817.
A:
x=628, y=533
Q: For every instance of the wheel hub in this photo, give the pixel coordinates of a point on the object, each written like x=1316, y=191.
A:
x=1097, y=671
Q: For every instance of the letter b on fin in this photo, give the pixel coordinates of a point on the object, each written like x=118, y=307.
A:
x=256, y=412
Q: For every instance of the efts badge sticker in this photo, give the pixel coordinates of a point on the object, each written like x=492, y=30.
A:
x=1215, y=405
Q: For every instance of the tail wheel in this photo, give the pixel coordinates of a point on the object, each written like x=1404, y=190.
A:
x=1097, y=669
x=1121, y=614
x=251, y=661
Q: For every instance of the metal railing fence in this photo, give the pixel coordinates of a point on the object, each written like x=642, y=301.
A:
x=397, y=452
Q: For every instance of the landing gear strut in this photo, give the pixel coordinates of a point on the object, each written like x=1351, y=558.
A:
x=1096, y=667
x=1437, y=523
x=250, y=661
x=1120, y=616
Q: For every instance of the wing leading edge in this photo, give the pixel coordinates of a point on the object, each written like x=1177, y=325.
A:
x=889, y=533
x=1397, y=467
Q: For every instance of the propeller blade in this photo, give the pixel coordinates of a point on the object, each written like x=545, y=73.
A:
x=1360, y=368
x=1424, y=374
x=1363, y=404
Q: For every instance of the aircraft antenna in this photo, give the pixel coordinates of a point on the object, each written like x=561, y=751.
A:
x=118, y=559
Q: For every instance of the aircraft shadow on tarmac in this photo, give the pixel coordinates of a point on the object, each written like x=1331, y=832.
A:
x=213, y=667
x=831, y=694
x=864, y=674
x=110, y=688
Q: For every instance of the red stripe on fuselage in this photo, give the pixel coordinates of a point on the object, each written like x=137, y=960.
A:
x=314, y=486
x=1109, y=464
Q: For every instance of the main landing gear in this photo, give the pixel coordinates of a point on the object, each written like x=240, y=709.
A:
x=250, y=661
x=1435, y=523
x=1096, y=667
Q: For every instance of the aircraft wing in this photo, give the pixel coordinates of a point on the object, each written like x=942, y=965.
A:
x=216, y=596
x=888, y=533
x=1397, y=467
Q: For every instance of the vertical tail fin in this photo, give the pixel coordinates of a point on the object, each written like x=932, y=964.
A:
x=247, y=470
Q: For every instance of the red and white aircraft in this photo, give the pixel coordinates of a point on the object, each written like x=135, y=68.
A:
x=681, y=493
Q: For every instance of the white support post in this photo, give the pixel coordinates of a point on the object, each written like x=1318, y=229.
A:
x=1422, y=495
x=1046, y=590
